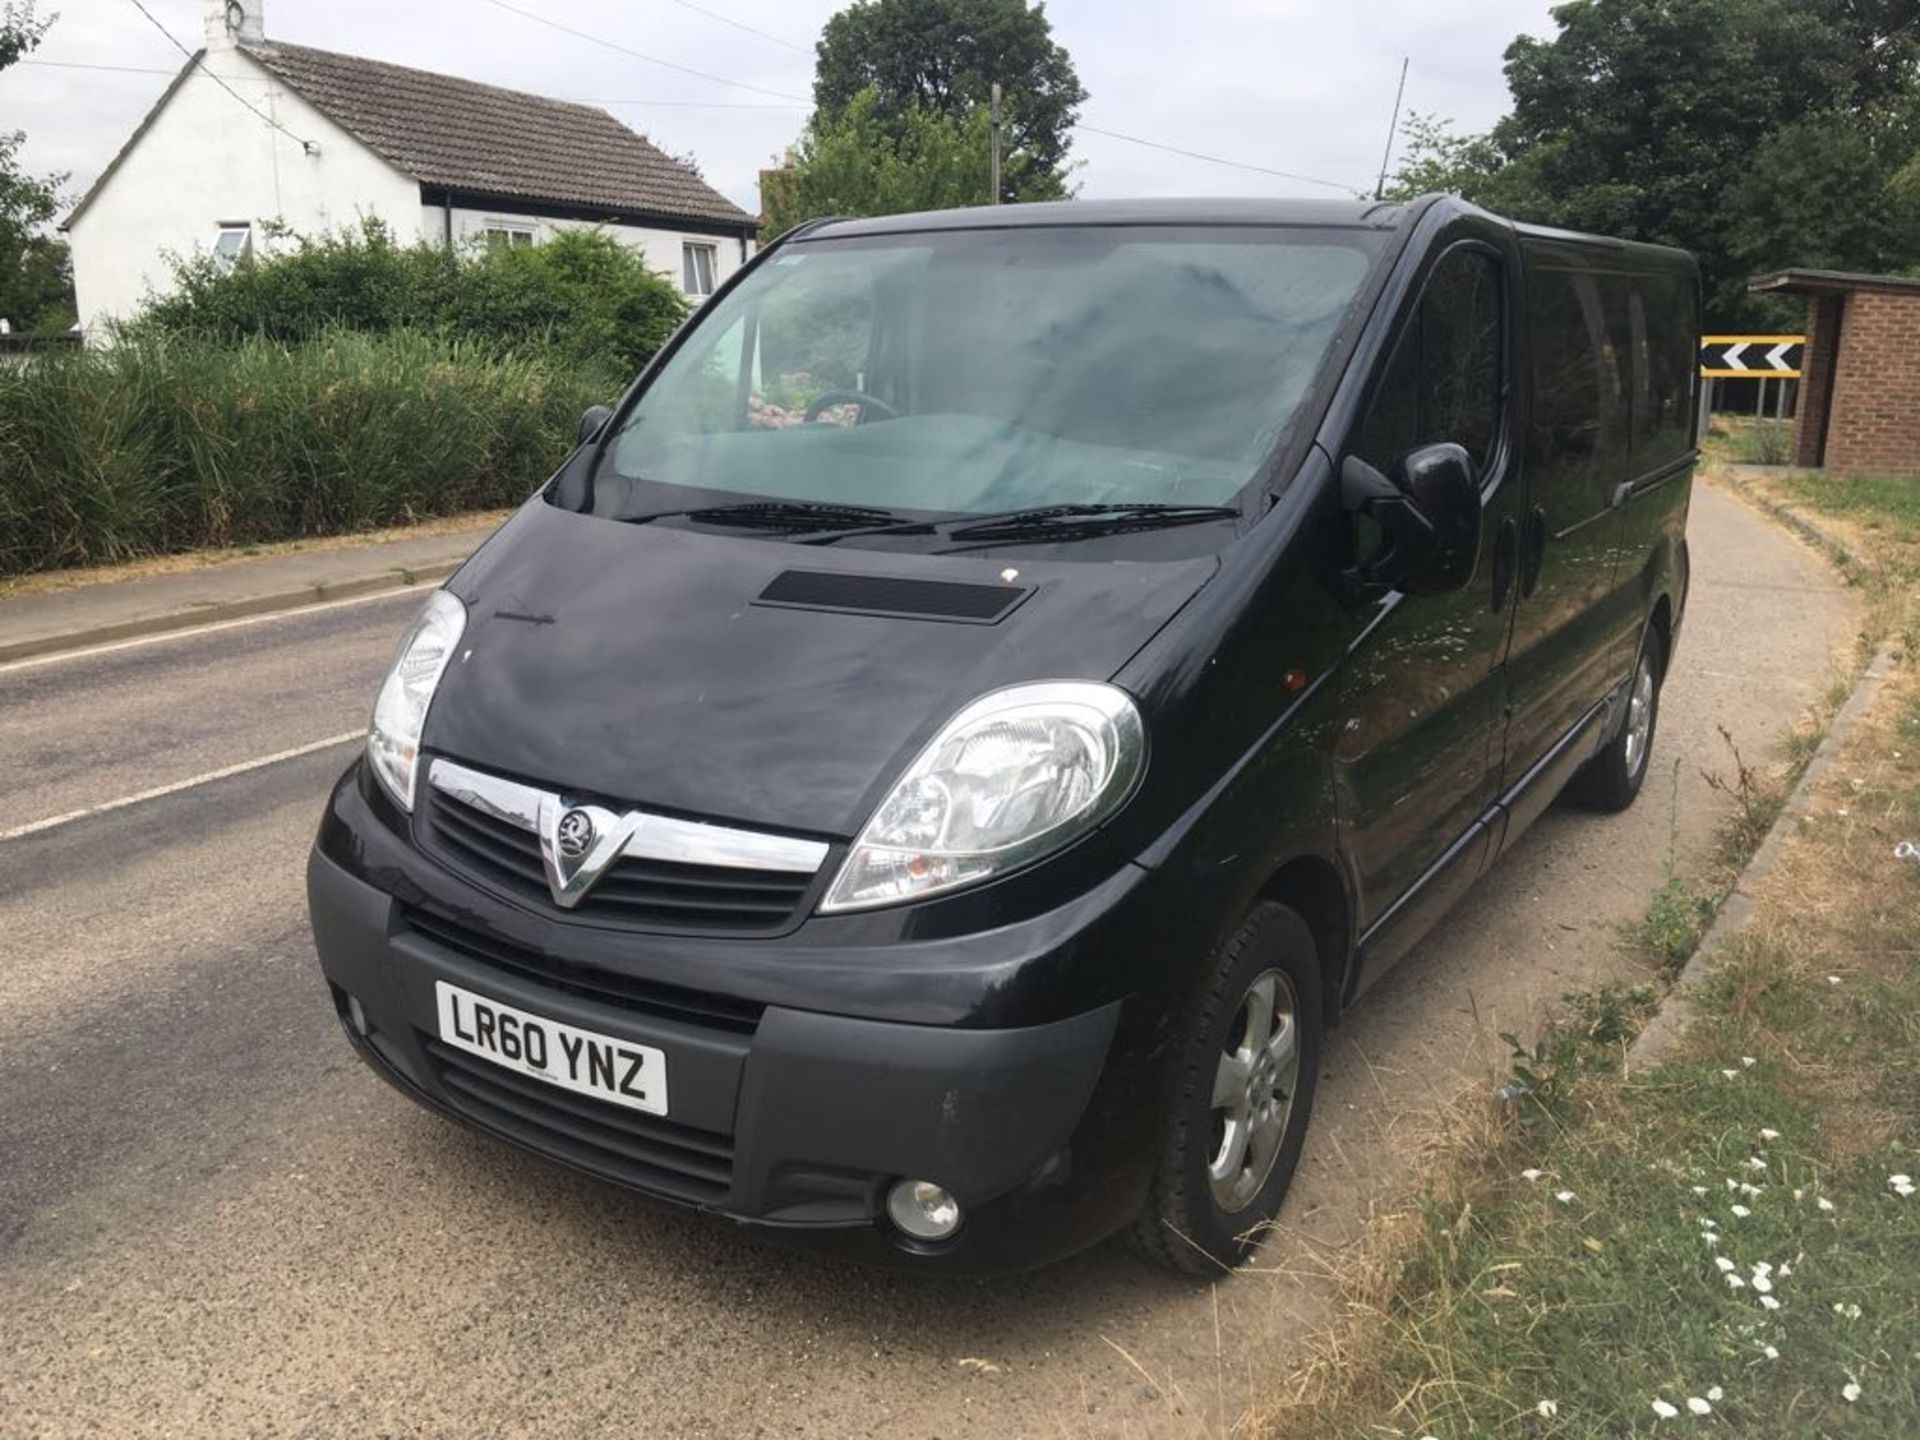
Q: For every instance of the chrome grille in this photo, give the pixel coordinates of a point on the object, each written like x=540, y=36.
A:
x=497, y=844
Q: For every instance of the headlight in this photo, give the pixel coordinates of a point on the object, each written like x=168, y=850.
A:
x=1017, y=773
x=400, y=714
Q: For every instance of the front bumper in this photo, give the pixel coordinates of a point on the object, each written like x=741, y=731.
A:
x=785, y=1117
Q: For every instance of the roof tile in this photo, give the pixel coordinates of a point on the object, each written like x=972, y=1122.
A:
x=460, y=134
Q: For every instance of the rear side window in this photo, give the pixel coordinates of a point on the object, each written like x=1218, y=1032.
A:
x=1662, y=311
x=1579, y=335
x=1443, y=380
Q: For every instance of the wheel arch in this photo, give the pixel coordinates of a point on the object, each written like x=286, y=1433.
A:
x=1312, y=888
x=1661, y=623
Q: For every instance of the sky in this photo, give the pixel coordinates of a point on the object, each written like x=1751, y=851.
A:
x=1300, y=86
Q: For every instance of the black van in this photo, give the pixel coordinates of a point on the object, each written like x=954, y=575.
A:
x=931, y=768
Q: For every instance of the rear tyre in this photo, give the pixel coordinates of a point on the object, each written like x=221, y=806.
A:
x=1244, y=1094
x=1612, y=779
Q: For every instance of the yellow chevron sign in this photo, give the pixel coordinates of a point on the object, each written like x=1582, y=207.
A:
x=1751, y=357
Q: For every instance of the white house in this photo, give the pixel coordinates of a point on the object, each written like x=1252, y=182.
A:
x=254, y=138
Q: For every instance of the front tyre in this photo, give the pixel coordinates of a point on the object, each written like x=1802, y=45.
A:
x=1245, y=1092
x=1611, y=780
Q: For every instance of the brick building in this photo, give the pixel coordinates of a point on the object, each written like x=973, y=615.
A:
x=1859, y=407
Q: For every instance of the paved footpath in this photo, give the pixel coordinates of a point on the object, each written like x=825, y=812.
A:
x=214, y=1222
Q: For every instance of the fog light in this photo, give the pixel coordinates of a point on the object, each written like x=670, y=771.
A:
x=357, y=1016
x=923, y=1210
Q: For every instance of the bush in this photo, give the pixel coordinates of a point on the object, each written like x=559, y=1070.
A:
x=581, y=293
x=164, y=445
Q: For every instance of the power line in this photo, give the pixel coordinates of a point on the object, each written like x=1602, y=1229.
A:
x=306, y=145
x=692, y=104
x=593, y=39
x=741, y=25
x=1217, y=160
x=83, y=65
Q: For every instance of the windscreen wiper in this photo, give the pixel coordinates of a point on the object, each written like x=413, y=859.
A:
x=1082, y=522
x=1050, y=522
x=773, y=515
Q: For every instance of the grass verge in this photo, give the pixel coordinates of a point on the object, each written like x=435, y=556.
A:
x=1729, y=1239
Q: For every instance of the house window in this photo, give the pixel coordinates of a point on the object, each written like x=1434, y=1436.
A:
x=231, y=245
x=697, y=264
x=508, y=237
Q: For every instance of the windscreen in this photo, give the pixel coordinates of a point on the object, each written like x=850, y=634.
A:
x=972, y=372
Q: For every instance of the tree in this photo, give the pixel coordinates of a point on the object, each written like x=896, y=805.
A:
x=1669, y=121
x=1436, y=161
x=854, y=162
x=1827, y=193
x=36, y=276
x=943, y=56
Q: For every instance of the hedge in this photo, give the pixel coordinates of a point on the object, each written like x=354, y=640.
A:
x=580, y=293
x=158, y=446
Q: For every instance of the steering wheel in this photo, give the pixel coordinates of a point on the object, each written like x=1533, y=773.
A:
x=865, y=401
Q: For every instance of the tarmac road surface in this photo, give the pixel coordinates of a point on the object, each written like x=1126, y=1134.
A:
x=213, y=1221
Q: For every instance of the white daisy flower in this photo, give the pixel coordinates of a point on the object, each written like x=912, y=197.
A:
x=1547, y=1409
x=1850, y=1391
x=1748, y=1061
x=1698, y=1406
x=1740, y=1210
x=1731, y=1075
x=1770, y=1352
x=1849, y=1310
x=1664, y=1410
x=1769, y=1134
x=1824, y=1203
x=1770, y=1303
x=1754, y=1162
x=1565, y=1197
x=1716, y=1393
x=1531, y=1174
x=1734, y=1282
x=1699, y=1189
x=1762, y=1284
x=1725, y=1265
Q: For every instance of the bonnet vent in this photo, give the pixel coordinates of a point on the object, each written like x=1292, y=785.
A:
x=890, y=595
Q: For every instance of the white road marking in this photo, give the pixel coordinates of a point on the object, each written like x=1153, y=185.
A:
x=55, y=821
x=415, y=591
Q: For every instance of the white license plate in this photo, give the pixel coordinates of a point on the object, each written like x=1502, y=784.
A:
x=584, y=1061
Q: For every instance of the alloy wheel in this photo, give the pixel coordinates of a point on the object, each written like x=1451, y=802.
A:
x=1253, y=1089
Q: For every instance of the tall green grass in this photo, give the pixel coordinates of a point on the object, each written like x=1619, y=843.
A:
x=158, y=446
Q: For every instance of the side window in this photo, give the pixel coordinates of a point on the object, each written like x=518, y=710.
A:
x=1579, y=387
x=1442, y=382
x=1663, y=321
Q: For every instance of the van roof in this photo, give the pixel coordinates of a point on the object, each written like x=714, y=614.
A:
x=1371, y=214
x=1362, y=213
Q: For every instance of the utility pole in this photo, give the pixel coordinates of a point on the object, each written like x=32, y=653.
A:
x=994, y=118
x=1380, y=190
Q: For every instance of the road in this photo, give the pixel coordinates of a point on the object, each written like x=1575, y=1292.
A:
x=213, y=1221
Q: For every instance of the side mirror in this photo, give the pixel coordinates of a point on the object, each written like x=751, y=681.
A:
x=1441, y=481
x=594, y=421
x=1429, y=523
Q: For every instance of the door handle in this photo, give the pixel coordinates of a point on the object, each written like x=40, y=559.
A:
x=1506, y=560
x=1533, y=550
